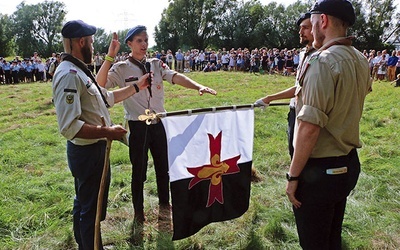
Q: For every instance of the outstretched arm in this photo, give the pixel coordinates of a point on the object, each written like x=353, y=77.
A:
x=285, y=94
x=186, y=82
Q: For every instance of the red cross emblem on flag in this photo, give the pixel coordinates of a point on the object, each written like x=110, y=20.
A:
x=214, y=171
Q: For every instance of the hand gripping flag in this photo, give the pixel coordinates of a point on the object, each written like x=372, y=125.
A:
x=210, y=157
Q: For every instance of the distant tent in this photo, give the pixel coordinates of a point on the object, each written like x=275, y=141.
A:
x=396, y=42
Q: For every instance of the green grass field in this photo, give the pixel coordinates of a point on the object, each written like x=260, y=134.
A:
x=37, y=187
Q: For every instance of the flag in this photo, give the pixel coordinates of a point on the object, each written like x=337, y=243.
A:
x=210, y=158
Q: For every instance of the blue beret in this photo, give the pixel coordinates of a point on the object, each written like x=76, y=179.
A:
x=303, y=17
x=134, y=31
x=77, y=28
x=341, y=9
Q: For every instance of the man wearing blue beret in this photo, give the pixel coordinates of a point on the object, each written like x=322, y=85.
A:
x=145, y=137
x=81, y=105
x=330, y=99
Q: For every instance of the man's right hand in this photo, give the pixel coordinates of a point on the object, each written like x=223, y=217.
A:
x=116, y=132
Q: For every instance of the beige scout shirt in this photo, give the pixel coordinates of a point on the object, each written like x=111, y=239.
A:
x=121, y=72
x=304, y=55
x=332, y=97
x=78, y=101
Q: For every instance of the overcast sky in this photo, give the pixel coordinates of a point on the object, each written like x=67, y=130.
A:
x=102, y=15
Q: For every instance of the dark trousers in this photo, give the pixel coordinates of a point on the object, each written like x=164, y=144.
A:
x=86, y=164
x=14, y=75
x=290, y=132
x=142, y=138
x=8, y=76
x=323, y=197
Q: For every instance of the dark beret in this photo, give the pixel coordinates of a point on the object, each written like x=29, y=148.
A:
x=134, y=31
x=303, y=17
x=341, y=9
x=77, y=28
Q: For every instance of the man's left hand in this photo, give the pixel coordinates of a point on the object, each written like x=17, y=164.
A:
x=207, y=90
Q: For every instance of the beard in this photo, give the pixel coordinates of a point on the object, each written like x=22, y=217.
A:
x=304, y=41
x=318, y=37
x=87, y=54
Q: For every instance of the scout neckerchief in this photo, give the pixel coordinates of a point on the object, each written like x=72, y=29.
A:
x=308, y=51
x=347, y=41
x=141, y=66
x=84, y=68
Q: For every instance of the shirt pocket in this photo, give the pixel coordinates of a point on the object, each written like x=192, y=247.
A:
x=93, y=95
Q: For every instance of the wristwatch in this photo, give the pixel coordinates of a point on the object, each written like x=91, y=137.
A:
x=291, y=178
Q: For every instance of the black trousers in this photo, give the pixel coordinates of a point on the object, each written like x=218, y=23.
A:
x=323, y=197
x=290, y=132
x=86, y=164
x=142, y=138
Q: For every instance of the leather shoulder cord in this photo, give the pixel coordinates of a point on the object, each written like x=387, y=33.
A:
x=347, y=41
x=144, y=71
x=139, y=64
x=84, y=68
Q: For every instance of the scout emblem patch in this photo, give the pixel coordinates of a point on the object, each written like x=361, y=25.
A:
x=70, y=96
x=69, y=99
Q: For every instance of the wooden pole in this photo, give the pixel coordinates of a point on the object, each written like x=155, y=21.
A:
x=101, y=192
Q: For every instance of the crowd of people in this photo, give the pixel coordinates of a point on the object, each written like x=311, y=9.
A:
x=261, y=60
x=32, y=69
x=383, y=65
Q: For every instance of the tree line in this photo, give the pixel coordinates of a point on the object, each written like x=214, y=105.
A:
x=199, y=24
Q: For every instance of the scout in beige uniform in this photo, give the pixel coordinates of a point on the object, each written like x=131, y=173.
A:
x=306, y=39
x=330, y=99
x=144, y=137
x=80, y=105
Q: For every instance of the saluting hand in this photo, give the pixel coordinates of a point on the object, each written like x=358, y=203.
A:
x=114, y=46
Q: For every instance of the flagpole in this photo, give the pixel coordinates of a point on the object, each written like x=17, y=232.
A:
x=148, y=116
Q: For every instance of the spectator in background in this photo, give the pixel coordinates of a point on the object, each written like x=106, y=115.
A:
x=14, y=71
x=225, y=60
x=391, y=66
x=29, y=71
x=296, y=59
x=54, y=65
x=289, y=63
x=376, y=62
x=98, y=61
x=187, y=60
x=398, y=63
x=1, y=71
x=7, y=72
x=170, y=58
x=179, y=60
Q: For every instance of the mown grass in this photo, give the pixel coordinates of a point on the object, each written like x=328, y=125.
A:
x=37, y=187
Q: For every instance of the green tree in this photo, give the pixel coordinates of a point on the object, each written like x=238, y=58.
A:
x=6, y=47
x=237, y=28
x=38, y=27
x=374, y=23
x=165, y=37
x=102, y=41
x=190, y=23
